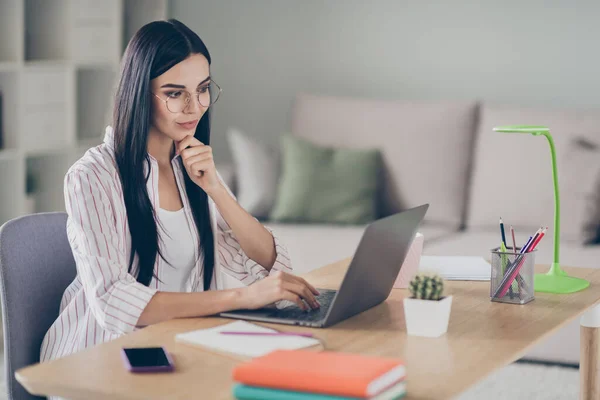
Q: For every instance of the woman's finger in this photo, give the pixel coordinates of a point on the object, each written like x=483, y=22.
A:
x=304, y=282
x=302, y=291
x=198, y=158
x=287, y=295
x=193, y=151
x=187, y=141
x=199, y=168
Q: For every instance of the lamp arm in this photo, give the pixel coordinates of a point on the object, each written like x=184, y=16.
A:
x=556, y=200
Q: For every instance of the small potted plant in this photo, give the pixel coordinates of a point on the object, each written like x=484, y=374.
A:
x=427, y=311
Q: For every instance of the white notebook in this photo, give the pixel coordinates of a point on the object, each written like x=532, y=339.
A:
x=457, y=268
x=244, y=347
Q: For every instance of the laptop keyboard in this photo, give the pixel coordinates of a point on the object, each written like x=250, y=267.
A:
x=295, y=312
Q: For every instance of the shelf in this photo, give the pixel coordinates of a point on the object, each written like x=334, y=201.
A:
x=11, y=24
x=48, y=173
x=10, y=154
x=9, y=110
x=92, y=11
x=12, y=179
x=45, y=64
x=45, y=129
x=95, y=91
x=46, y=27
x=95, y=35
x=7, y=66
x=59, y=61
x=138, y=13
x=45, y=85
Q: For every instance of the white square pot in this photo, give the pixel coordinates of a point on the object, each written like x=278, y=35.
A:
x=427, y=318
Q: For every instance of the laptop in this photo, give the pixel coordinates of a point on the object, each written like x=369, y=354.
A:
x=368, y=280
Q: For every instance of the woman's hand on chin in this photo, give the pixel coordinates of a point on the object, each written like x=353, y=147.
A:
x=199, y=164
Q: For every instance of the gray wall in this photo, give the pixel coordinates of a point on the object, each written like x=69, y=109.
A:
x=530, y=53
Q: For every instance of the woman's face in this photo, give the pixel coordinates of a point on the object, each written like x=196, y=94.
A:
x=191, y=75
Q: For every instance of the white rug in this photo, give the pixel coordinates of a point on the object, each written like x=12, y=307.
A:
x=515, y=382
x=527, y=382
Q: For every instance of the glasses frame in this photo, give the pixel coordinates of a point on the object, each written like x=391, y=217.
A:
x=190, y=98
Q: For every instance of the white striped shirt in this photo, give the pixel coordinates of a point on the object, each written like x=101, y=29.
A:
x=105, y=301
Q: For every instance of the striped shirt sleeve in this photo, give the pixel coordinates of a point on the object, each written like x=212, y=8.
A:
x=115, y=297
x=235, y=259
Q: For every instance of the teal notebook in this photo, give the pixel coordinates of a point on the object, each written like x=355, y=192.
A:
x=245, y=392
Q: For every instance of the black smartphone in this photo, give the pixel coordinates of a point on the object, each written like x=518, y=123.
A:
x=147, y=359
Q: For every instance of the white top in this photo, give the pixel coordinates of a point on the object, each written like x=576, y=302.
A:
x=178, y=249
x=105, y=301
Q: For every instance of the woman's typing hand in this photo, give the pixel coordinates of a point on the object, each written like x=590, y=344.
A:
x=280, y=286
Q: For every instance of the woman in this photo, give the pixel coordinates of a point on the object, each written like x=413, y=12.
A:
x=151, y=224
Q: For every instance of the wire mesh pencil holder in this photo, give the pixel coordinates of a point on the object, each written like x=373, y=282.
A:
x=512, y=276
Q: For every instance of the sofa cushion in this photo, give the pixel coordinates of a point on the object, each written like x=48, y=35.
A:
x=512, y=175
x=314, y=246
x=321, y=184
x=425, y=147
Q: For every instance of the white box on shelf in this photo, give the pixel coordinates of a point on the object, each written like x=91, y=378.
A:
x=96, y=32
x=94, y=10
x=45, y=129
x=44, y=85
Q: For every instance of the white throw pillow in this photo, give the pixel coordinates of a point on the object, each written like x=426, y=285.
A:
x=256, y=173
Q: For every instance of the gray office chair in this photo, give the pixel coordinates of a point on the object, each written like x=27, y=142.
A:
x=36, y=266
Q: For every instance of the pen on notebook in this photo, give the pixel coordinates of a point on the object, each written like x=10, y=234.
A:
x=304, y=334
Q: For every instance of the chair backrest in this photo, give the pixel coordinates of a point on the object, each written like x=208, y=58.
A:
x=36, y=266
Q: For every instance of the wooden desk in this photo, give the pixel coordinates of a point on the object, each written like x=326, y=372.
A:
x=482, y=337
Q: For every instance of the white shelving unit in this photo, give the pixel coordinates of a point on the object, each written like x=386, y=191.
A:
x=59, y=60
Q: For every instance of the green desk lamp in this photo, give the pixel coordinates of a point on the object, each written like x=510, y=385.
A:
x=555, y=280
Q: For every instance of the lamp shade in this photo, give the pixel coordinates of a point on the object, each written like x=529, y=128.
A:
x=531, y=129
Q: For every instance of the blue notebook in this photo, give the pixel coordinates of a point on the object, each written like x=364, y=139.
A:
x=245, y=392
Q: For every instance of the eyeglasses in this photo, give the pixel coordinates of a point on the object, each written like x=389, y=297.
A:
x=207, y=95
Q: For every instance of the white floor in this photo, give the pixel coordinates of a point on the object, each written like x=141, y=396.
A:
x=515, y=382
x=527, y=381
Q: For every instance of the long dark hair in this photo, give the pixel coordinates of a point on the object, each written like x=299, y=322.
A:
x=153, y=50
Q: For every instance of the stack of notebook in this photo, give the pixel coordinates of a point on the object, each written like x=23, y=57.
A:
x=307, y=375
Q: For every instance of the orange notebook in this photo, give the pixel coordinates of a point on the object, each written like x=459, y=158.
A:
x=327, y=372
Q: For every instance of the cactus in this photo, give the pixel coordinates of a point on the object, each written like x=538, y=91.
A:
x=426, y=287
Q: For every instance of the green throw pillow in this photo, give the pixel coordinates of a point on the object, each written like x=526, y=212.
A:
x=326, y=185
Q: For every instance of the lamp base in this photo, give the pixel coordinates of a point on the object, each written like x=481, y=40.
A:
x=557, y=281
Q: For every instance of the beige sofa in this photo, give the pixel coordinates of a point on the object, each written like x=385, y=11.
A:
x=447, y=154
